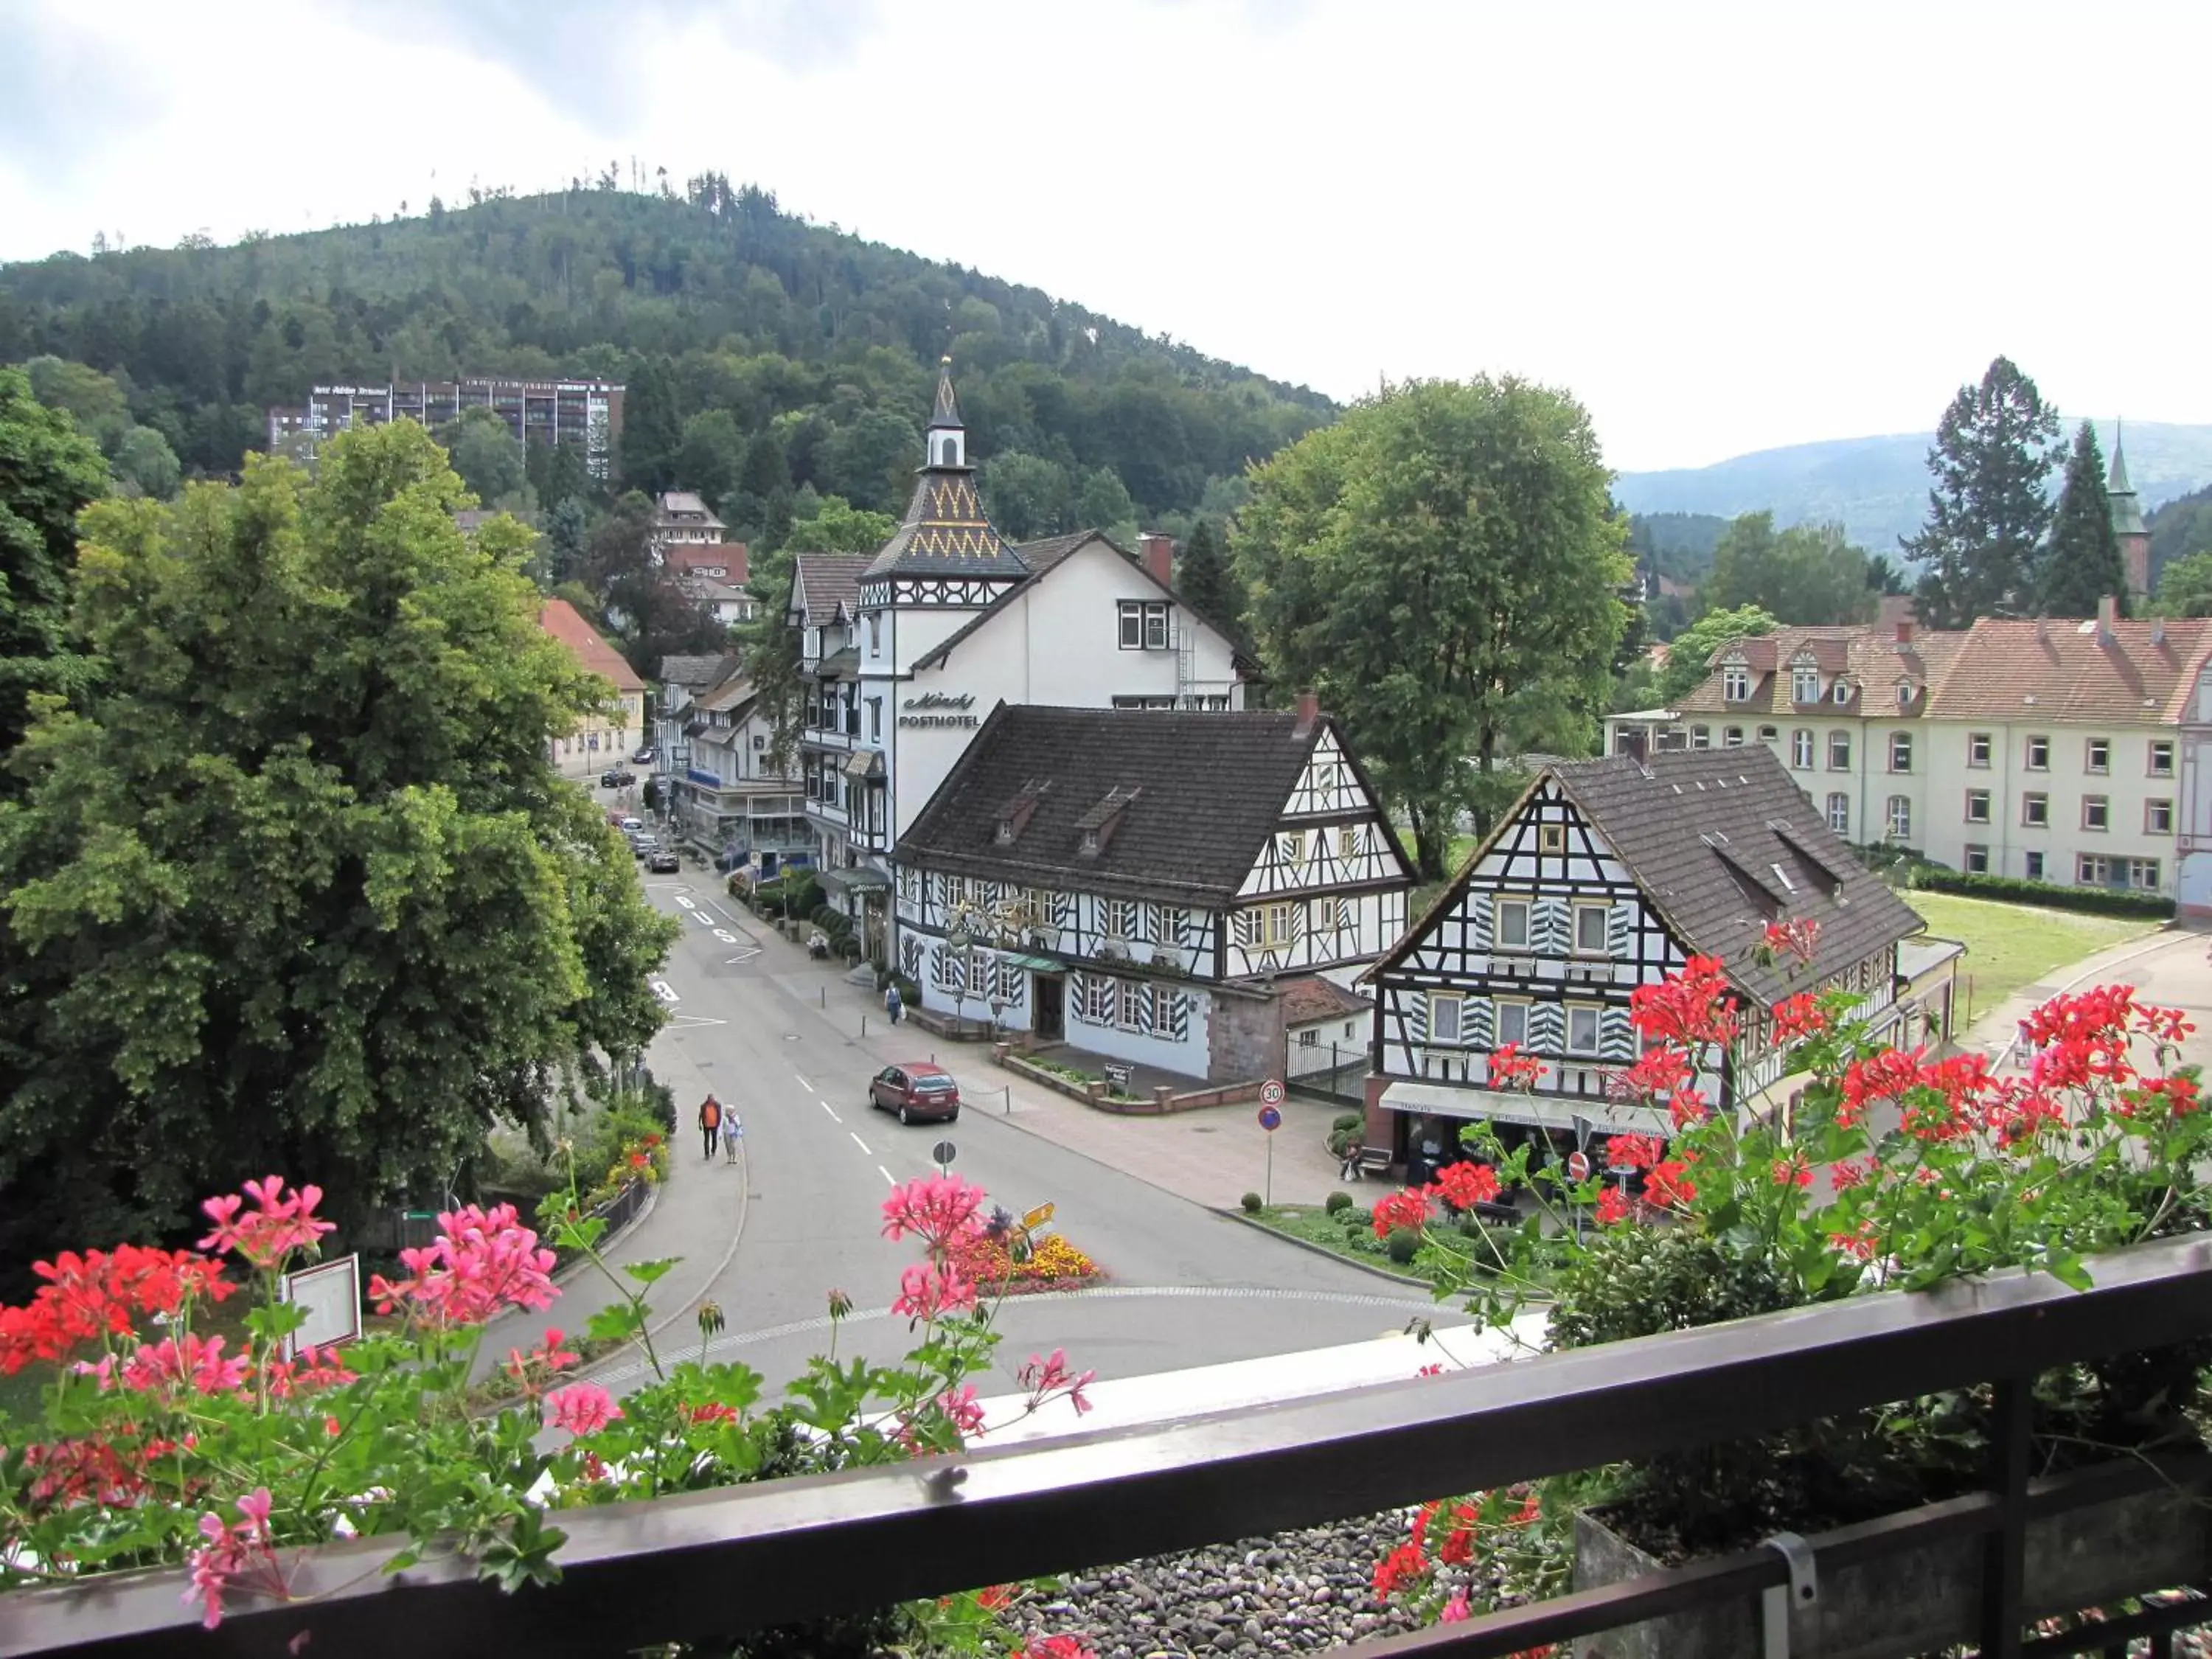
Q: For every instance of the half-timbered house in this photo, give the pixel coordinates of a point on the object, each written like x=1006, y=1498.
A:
x=1607, y=875
x=1148, y=884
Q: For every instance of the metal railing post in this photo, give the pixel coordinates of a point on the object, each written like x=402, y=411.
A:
x=2004, y=1570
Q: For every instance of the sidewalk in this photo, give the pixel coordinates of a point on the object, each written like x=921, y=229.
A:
x=2168, y=967
x=1212, y=1155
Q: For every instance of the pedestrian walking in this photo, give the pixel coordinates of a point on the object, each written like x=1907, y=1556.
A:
x=710, y=1122
x=733, y=1131
x=892, y=1003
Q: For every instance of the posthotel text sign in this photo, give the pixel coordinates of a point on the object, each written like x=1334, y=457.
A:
x=939, y=708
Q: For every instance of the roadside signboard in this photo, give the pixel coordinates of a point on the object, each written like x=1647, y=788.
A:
x=329, y=1294
x=942, y=1155
x=1037, y=1217
x=1271, y=1092
x=1578, y=1166
x=1270, y=1119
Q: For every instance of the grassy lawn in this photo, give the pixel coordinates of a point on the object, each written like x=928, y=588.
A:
x=1316, y=1226
x=2009, y=946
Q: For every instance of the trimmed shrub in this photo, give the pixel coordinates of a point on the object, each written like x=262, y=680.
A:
x=1356, y=1219
x=1402, y=1245
x=1337, y=1201
x=1252, y=1204
x=2014, y=890
x=1343, y=1131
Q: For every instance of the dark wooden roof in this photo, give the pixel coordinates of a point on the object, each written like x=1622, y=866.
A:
x=1722, y=842
x=1202, y=794
x=830, y=580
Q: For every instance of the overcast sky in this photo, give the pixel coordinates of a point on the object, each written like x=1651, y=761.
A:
x=1724, y=228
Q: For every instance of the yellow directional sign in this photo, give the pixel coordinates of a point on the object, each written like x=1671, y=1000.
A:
x=1037, y=1217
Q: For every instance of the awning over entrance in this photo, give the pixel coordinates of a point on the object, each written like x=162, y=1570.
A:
x=1536, y=1111
x=1035, y=964
x=861, y=879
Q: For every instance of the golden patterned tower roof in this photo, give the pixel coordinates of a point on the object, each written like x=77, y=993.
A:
x=945, y=532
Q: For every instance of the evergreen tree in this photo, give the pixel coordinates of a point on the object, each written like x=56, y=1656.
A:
x=2082, y=563
x=652, y=430
x=1987, y=513
x=1205, y=581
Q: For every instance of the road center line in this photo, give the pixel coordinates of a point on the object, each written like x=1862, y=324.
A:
x=886, y=1175
x=861, y=1144
x=832, y=1111
x=803, y=1083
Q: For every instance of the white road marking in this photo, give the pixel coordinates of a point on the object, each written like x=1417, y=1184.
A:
x=832, y=1111
x=745, y=953
x=685, y=1022
x=861, y=1144
x=886, y=1175
x=686, y=903
x=664, y=990
x=803, y=1083
x=725, y=936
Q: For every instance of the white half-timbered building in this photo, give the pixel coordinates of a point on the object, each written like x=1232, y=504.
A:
x=1148, y=884
x=1607, y=875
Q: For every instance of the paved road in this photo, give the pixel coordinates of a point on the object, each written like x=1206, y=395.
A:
x=1189, y=1287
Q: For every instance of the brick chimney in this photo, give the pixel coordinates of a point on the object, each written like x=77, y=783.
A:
x=1895, y=618
x=1158, y=552
x=1308, y=713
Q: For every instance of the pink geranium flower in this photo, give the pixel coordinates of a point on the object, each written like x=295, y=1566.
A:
x=581, y=1408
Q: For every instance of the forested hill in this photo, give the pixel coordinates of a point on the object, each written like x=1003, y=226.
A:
x=826, y=343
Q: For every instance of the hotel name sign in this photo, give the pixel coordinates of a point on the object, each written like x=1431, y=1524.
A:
x=939, y=708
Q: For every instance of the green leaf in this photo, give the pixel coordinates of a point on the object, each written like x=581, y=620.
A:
x=646, y=1271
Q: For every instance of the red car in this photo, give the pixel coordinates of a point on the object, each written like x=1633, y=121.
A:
x=919, y=1094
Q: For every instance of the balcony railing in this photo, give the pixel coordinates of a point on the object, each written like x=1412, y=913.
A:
x=704, y=1565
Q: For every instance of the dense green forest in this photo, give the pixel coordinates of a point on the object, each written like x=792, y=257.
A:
x=776, y=354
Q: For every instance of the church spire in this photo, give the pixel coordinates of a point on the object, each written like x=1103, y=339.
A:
x=2119, y=493
x=944, y=447
x=947, y=414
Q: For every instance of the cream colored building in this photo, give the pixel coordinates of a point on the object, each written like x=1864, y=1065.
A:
x=603, y=738
x=2044, y=750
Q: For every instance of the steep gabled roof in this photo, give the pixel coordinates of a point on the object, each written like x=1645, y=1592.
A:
x=1199, y=794
x=830, y=580
x=697, y=672
x=1870, y=657
x=566, y=623
x=2064, y=672
x=1722, y=842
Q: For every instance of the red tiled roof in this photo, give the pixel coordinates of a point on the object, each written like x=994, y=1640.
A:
x=686, y=557
x=2061, y=670
x=1311, y=997
x=1870, y=656
x=566, y=623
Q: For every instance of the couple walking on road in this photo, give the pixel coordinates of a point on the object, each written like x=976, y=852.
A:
x=718, y=1122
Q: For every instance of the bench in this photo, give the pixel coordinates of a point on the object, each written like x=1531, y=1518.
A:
x=1372, y=1161
x=1118, y=1074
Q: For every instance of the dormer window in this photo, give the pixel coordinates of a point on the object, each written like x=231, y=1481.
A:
x=1805, y=685
x=1095, y=828
x=1014, y=816
x=1735, y=682
x=1842, y=694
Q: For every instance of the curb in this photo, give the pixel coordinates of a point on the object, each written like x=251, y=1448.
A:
x=1308, y=1246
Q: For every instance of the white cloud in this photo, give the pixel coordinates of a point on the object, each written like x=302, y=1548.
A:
x=1723, y=227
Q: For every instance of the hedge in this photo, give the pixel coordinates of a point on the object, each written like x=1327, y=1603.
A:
x=2013, y=890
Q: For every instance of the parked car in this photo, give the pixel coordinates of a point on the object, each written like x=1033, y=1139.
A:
x=643, y=758
x=615, y=778
x=662, y=861
x=918, y=1093
x=631, y=826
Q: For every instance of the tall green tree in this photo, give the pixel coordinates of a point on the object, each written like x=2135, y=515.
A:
x=1808, y=575
x=1102, y=502
x=1027, y=495
x=1205, y=578
x=1690, y=653
x=2185, y=587
x=1987, y=513
x=146, y=465
x=294, y=886
x=834, y=525
x=49, y=471
x=708, y=459
x=652, y=429
x=2083, y=564
x=1442, y=554
x=485, y=453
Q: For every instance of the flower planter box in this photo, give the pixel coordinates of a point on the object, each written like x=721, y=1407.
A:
x=1925, y=1599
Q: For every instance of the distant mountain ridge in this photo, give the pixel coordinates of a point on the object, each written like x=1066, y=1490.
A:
x=1877, y=488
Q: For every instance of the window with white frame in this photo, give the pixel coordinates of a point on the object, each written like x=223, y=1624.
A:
x=875, y=633
x=1900, y=816
x=1801, y=749
x=1701, y=736
x=1324, y=916
x=1512, y=924
x=1144, y=625
x=2141, y=874
x=1277, y=921
x=1552, y=838
x=1979, y=747
x=1768, y=734
x=1445, y=1024
x=1735, y=682
x=2035, y=811
x=2158, y=817
x=1839, y=751
x=1900, y=751
x=1118, y=918
x=1582, y=1022
x=2096, y=812
x=1977, y=860
x=2031, y=863
x=1839, y=813
x=1978, y=806
x=1805, y=685
x=1352, y=842
x=1512, y=1022
x=1843, y=693
x=1590, y=930
x=1134, y=998
x=1734, y=737
x=2162, y=757
x=2097, y=754
x=2038, y=754
x=1294, y=848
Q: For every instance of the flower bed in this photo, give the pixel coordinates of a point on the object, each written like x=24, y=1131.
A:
x=1891, y=1172
x=1000, y=1259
